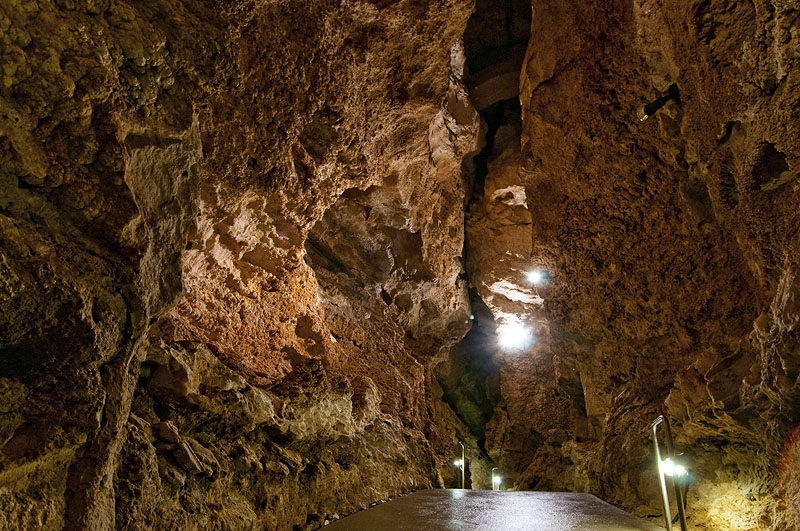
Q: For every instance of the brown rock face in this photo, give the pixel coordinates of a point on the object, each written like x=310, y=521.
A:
x=671, y=246
x=231, y=244
x=256, y=257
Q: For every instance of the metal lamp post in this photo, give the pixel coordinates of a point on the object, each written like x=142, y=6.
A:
x=463, y=463
x=667, y=467
x=495, y=480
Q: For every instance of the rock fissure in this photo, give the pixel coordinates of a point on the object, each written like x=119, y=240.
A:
x=259, y=263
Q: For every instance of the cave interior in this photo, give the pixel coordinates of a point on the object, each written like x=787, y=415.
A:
x=264, y=264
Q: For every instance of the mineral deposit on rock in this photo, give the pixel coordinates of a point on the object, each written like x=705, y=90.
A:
x=257, y=257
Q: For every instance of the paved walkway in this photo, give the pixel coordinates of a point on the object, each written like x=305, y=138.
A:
x=486, y=510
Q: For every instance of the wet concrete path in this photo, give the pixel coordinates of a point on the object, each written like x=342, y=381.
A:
x=486, y=510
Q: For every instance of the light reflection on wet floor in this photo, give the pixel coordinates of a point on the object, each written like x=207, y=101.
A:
x=485, y=510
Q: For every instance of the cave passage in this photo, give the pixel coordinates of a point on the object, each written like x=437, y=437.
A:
x=443, y=510
x=273, y=264
x=469, y=378
x=494, y=44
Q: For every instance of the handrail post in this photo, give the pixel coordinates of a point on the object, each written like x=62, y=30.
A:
x=463, y=463
x=675, y=485
x=664, y=496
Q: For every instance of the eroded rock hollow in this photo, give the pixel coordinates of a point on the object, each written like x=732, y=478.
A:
x=259, y=260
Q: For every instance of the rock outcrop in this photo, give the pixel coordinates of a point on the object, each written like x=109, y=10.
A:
x=256, y=256
x=671, y=248
x=231, y=250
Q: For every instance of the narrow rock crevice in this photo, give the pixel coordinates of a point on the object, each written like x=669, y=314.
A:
x=502, y=113
x=470, y=377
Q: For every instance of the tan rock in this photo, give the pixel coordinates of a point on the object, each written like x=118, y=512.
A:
x=251, y=220
x=166, y=431
x=188, y=459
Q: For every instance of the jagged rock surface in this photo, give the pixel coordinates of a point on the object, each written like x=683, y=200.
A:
x=672, y=246
x=231, y=245
x=236, y=238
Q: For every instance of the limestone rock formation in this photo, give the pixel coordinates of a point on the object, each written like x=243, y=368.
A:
x=181, y=341
x=671, y=245
x=256, y=256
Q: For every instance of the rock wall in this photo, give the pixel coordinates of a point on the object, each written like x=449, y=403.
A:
x=240, y=238
x=230, y=251
x=671, y=246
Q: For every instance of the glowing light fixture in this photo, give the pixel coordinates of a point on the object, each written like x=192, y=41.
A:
x=668, y=468
x=671, y=468
x=495, y=480
x=514, y=335
x=460, y=463
x=536, y=276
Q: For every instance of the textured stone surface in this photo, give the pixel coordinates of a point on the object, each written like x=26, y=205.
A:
x=238, y=240
x=672, y=249
x=174, y=346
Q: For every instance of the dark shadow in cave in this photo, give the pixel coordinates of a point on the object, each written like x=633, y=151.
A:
x=470, y=379
x=504, y=112
x=496, y=32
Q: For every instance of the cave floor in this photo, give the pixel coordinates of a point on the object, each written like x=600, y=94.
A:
x=448, y=510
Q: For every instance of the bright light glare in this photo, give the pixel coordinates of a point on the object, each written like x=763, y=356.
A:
x=496, y=480
x=459, y=463
x=536, y=276
x=672, y=469
x=514, y=335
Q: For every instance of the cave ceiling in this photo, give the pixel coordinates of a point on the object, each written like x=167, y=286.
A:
x=270, y=262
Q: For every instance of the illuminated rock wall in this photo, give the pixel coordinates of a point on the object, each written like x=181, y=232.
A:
x=238, y=241
x=672, y=247
x=230, y=251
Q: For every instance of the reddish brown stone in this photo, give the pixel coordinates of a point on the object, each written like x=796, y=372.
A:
x=260, y=221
